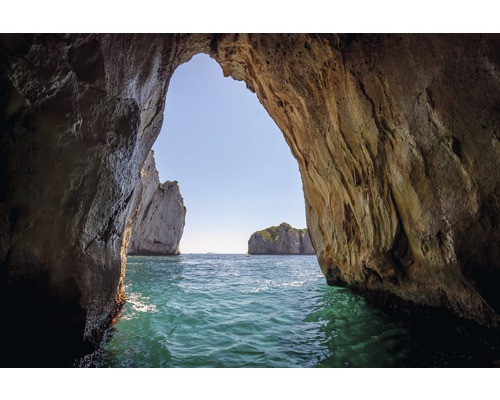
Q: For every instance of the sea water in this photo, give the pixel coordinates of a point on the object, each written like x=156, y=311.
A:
x=263, y=311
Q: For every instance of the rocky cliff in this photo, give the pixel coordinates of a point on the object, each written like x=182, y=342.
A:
x=159, y=225
x=396, y=138
x=281, y=239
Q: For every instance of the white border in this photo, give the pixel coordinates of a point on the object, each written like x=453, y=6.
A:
x=249, y=16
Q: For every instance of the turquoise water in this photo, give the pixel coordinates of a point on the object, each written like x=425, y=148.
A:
x=262, y=311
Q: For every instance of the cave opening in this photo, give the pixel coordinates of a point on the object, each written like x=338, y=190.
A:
x=236, y=175
x=233, y=166
x=81, y=112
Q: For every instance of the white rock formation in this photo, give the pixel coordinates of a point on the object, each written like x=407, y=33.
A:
x=159, y=224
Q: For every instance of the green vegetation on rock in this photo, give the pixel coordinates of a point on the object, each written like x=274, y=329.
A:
x=282, y=239
x=272, y=233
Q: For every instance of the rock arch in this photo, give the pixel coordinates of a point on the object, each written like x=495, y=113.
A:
x=396, y=137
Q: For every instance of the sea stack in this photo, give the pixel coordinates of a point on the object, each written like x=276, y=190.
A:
x=161, y=215
x=281, y=239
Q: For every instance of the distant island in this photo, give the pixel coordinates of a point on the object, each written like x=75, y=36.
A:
x=282, y=239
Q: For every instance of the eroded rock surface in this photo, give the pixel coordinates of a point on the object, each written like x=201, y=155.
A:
x=159, y=225
x=79, y=114
x=281, y=239
x=397, y=142
x=396, y=137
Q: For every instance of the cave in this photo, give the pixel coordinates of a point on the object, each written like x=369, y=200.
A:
x=396, y=137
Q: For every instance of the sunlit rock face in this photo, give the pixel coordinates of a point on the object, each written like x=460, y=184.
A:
x=396, y=137
x=397, y=142
x=159, y=225
x=283, y=240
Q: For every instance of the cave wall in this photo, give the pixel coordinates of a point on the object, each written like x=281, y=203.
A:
x=79, y=114
x=396, y=137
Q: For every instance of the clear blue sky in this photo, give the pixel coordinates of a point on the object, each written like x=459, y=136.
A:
x=235, y=171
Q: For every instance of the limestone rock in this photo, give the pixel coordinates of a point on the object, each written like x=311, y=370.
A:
x=281, y=239
x=159, y=225
x=306, y=246
x=397, y=145
x=78, y=116
x=396, y=138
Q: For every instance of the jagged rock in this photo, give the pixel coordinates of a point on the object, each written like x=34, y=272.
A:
x=281, y=239
x=396, y=137
x=398, y=152
x=159, y=225
x=306, y=246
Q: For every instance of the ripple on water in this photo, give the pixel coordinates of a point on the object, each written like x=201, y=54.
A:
x=262, y=311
